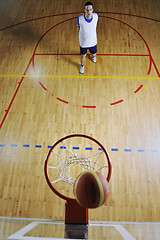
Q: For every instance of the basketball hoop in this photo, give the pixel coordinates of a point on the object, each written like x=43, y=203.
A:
x=68, y=157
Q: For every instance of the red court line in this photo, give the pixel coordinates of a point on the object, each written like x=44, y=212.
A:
x=150, y=65
x=43, y=86
x=133, y=30
x=62, y=14
x=117, y=102
x=39, y=18
x=56, y=54
x=123, y=54
x=137, y=90
x=155, y=67
x=31, y=61
x=131, y=15
x=62, y=100
x=149, y=52
x=98, y=54
x=84, y=106
x=32, y=58
x=66, y=20
x=19, y=84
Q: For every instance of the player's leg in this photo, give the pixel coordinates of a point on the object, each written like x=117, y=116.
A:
x=93, y=51
x=83, y=58
x=83, y=52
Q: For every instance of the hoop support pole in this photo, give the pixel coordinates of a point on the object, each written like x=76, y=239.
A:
x=74, y=213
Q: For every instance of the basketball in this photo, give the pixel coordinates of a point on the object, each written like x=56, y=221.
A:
x=91, y=189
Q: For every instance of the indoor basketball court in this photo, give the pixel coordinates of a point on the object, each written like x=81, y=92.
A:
x=56, y=123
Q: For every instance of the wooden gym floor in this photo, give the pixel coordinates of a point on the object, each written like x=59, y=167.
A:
x=116, y=101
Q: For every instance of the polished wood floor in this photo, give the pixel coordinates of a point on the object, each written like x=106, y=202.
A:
x=116, y=101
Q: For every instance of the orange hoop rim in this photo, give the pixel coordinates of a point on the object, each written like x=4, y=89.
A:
x=50, y=151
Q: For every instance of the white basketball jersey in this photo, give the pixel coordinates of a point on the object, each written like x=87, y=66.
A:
x=87, y=32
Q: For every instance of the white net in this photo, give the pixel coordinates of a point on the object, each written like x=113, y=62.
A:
x=64, y=158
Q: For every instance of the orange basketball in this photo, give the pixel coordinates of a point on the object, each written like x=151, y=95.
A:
x=91, y=189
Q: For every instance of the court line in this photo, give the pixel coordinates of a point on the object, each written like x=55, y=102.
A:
x=87, y=106
x=38, y=146
x=62, y=100
x=138, y=89
x=15, y=94
x=114, y=103
x=20, y=235
x=43, y=86
x=61, y=14
x=128, y=150
x=117, y=225
x=33, y=64
x=14, y=145
x=146, y=87
x=93, y=223
x=98, y=54
x=79, y=76
x=114, y=149
x=124, y=233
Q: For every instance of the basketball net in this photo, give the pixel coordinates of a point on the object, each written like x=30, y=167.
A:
x=64, y=162
x=68, y=157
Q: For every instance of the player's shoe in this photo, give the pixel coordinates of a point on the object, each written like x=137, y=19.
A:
x=81, y=69
x=94, y=59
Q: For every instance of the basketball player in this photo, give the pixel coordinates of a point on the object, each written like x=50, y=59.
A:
x=87, y=24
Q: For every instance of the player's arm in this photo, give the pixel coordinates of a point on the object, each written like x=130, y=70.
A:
x=78, y=25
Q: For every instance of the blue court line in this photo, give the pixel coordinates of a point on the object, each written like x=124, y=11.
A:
x=62, y=147
x=88, y=148
x=127, y=150
x=114, y=149
x=154, y=151
x=100, y=149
